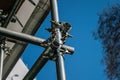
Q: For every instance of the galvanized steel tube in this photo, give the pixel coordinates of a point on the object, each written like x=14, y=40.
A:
x=60, y=61
x=28, y=38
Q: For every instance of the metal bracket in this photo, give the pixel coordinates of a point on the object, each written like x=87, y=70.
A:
x=64, y=29
x=52, y=55
x=3, y=45
x=50, y=42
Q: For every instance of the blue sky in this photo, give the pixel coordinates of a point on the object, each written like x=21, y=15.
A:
x=85, y=63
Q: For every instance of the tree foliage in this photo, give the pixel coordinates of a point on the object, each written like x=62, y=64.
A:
x=108, y=33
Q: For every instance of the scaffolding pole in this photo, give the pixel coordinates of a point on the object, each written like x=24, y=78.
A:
x=1, y=60
x=28, y=38
x=56, y=46
x=56, y=53
x=38, y=65
x=59, y=60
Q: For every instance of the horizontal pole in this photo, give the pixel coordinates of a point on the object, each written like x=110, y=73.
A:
x=28, y=38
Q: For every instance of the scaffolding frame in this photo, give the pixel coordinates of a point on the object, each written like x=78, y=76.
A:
x=57, y=50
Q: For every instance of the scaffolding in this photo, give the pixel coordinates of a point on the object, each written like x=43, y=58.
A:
x=54, y=46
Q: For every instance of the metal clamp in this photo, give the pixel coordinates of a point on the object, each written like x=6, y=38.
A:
x=64, y=29
x=3, y=45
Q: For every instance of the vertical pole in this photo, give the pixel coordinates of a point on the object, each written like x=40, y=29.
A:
x=1, y=61
x=60, y=61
